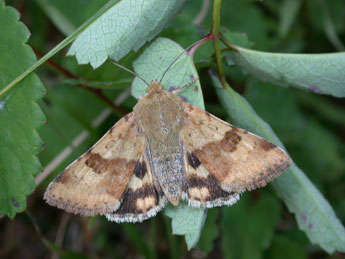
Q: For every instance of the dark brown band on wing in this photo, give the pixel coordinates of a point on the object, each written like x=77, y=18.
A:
x=211, y=184
x=131, y=205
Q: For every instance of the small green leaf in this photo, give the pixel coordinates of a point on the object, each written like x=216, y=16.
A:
x=237, y=38
x=151, y=65
x=20, y=116
x=125, y=26
x=313, y=213
x=319, y=73
x=187, y=221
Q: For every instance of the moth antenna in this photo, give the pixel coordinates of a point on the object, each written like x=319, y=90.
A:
x=172, y=63
x=185, y=50
x=130, y=71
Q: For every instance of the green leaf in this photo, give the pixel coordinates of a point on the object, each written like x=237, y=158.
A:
x=151, y=65
x=313, y=213
x=237, y=38
x=20, y=116
x=248, y=228
x=187, y=221
x=125, y=26
x=319, y=73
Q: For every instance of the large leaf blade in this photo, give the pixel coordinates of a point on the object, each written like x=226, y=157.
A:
x=20, y=116
x=125, y=26
x=319, y=73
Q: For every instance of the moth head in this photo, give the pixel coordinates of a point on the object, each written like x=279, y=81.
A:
x=154, y=88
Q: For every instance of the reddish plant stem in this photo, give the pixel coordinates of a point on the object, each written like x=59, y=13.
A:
x=199, y=43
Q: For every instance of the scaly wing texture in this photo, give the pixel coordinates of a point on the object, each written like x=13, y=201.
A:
x=202, y=188
x=94, y=183
x=141, y=200
x=239, y=160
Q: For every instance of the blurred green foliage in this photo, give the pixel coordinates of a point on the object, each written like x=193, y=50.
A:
x=311, y=126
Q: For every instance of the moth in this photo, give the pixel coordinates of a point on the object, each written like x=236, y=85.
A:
x=166, y=150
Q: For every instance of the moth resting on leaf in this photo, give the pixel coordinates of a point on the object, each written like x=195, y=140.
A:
x=164, y=151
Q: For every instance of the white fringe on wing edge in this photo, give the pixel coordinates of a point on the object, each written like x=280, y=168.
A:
x=133, y=218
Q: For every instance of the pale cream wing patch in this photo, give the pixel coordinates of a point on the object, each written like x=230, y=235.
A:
x=202, y=188
x=141, y=200
x=94, y=183
x=238, y=159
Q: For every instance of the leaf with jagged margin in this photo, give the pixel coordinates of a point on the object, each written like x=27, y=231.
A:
x=313, y=213
x=124, y=27
x=187, y=221
x=319, y=73
x=151, y=65
x=20, y=115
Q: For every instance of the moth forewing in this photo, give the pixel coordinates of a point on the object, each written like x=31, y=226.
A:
x=94, y=183
x=238, y=159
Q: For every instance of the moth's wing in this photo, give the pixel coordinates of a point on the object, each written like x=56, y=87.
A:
x=239, y=160
x=202, y=188
x=141, y=200
x=94, y=183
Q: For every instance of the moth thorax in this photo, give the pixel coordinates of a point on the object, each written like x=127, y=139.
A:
x=161, y=116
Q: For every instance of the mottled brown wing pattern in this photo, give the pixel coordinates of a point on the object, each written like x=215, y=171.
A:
x=141, y=200
x=239, y=160
x=202, y=188
x=95, y=182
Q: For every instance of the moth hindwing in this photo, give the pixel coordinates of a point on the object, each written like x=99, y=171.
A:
x=164, y=151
